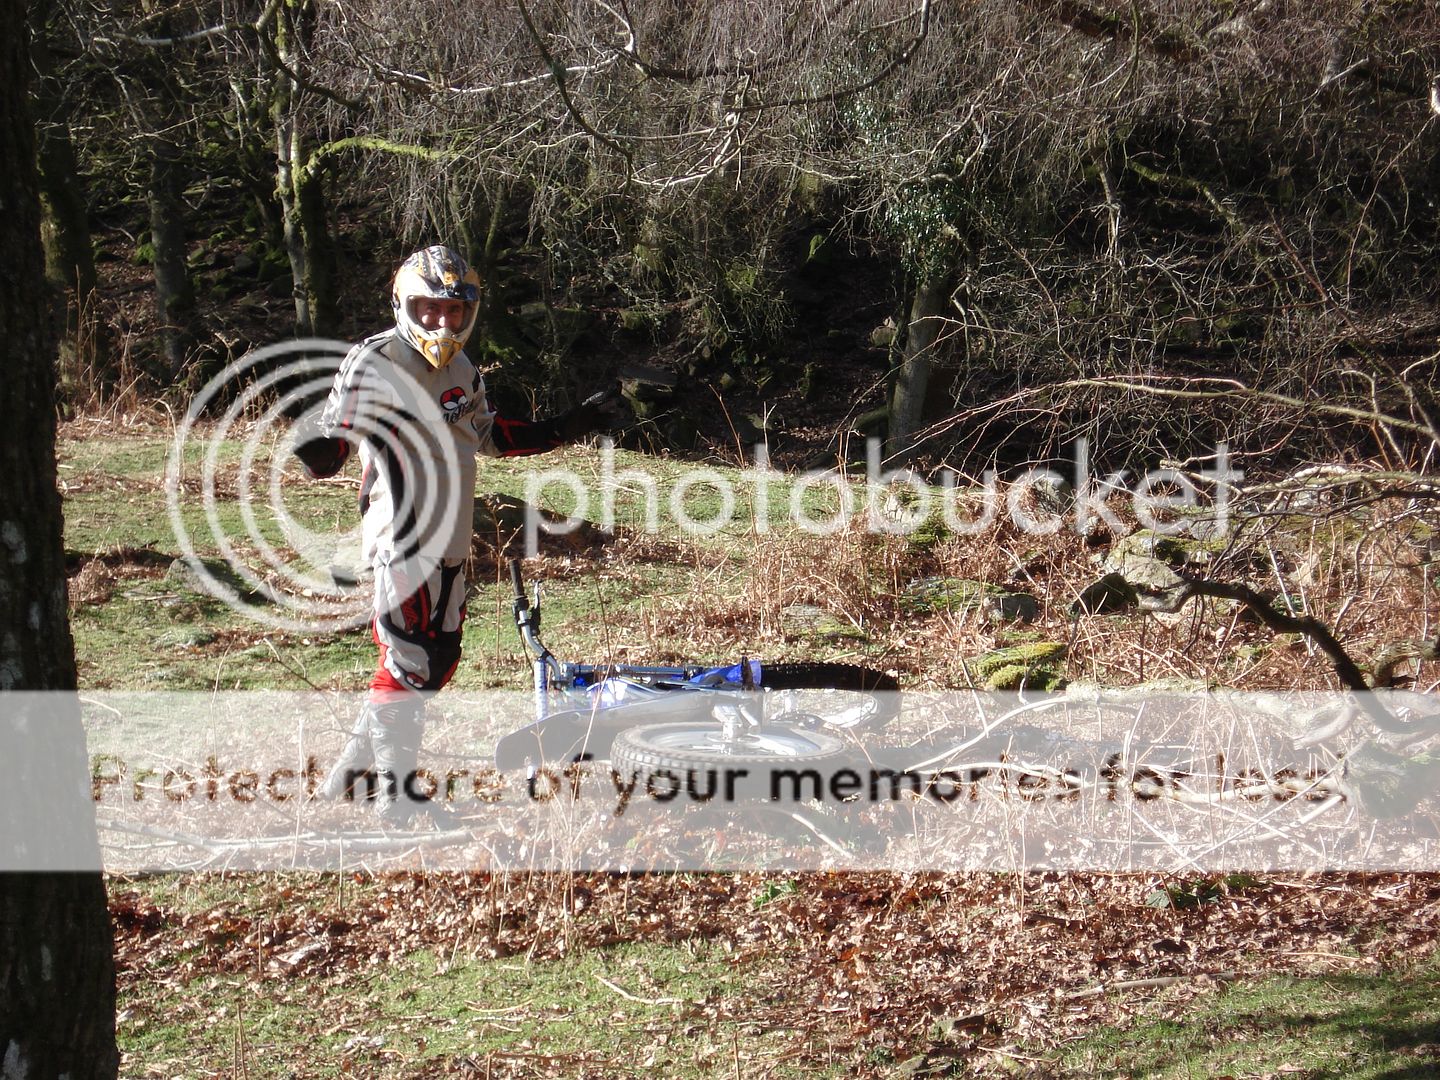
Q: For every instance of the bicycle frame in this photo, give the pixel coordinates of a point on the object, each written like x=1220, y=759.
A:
x=604, y=686
x=580, y=708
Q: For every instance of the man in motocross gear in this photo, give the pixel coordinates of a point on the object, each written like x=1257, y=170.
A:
x=415, y=406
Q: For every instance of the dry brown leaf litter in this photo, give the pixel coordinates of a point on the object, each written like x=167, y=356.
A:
x=858, y=967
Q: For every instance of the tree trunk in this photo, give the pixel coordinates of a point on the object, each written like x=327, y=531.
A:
x=289, y=159
x=300, y=188
x=928, y=309
x=65, y=234
x=57, y=1010
x=319, y=253
x=478, y=223
x=174, y=295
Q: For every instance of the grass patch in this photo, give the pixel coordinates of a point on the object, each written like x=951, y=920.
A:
x=1355, y=1026
x=671, y=1010
x=149, y=636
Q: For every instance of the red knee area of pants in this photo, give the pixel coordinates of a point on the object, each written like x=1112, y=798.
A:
x=386, y=687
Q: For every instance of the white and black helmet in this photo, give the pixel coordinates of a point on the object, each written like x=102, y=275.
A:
x=435, y=273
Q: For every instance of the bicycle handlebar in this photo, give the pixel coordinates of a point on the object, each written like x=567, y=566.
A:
x=527, y=617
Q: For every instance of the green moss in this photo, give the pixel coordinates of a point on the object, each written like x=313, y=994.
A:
x=1032, y=665
x=931, y=595
x=930, y=533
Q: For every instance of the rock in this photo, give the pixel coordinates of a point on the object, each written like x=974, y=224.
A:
x=645, y=375
x=680, y=430
x=274, y=270
x=1112, y=593
x=346, y=564
x=640, y=319
x=641, y=408
x=645, y=392
x=928, y=596
x=1053, y=494
x=751, y=428
x=809, y=385
x=873, y=422
x=499, y=523
x=255, y=304
x=536, y=320
x=209, y=577
x=187, y=574
x=1177, y=549
x=1031, y=666
x=1144, y=558
x=184, y=637
x=816, y=622
x=1012, y=607
x=958, y=595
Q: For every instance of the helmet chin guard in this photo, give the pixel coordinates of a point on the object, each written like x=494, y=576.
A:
x=435, y=273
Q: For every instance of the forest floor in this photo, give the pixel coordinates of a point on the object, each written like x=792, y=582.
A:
x=416, y=975
x=392, y=972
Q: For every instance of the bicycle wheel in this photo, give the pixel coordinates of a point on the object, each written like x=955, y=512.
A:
x=842, y=697
x=664, y=761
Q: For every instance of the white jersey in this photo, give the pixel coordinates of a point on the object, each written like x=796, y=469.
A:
x=419, y=430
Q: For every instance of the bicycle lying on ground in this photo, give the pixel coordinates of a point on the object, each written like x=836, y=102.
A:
x=750, y=715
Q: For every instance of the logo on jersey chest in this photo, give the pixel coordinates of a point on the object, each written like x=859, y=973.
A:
x=455, y=403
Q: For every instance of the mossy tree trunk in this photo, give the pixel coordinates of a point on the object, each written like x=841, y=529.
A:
x=57, y=1011
x=479, y=236
x=923, y=334
x=174, y=293
x=65, y=230
x=300, y=182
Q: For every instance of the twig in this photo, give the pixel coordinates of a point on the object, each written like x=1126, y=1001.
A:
x=1014, y=1056
x=181, y=839
x=1330, y=956
x=1229, y=975
x=638, y=1000
x=819, y=834
x=911, y=47
x=557, y=72
x=293, y=669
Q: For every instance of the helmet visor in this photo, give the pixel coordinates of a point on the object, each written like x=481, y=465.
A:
x=441, y=313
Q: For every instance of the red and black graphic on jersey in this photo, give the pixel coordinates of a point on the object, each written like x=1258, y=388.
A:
x=452, y=401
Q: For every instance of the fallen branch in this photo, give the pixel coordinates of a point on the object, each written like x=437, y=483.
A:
x=1229, y=975
x=1312, y=629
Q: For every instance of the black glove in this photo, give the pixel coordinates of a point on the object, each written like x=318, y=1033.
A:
x=604, y=411
x=322, y=455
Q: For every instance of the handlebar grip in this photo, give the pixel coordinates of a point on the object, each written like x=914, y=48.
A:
x=516, y=580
